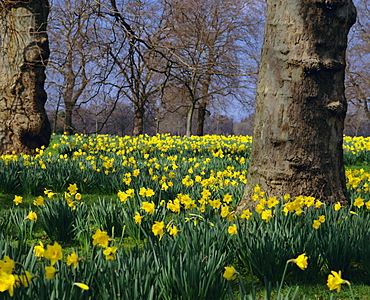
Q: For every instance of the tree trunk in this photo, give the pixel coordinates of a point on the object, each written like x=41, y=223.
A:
x=24, y=125
x=203, y=105
x=201, y=117
x=300, y=106
x=138, y=121
x=189, y=119
x=68, y=126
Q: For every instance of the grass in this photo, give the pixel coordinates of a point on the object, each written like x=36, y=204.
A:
x=314, y=289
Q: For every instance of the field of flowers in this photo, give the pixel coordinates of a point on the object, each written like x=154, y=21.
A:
x=164, y=225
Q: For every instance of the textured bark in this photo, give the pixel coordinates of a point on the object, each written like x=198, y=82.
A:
x=24, y=52
x=139, y=120
x=202, y=109
x=189, y=119
x=300, y=105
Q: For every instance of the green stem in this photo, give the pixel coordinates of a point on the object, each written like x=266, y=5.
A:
x=350, y=288
x=282, y=282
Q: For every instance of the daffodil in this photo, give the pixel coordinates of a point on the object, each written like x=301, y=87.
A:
x=318, y=204
x=174, y=206
x=39, y=201
x=18, y=200
x=100, y=238
x=72, y=259
x=266, y=215
x=230, y=273
x=39, y=250
x=215, y=203
x=50, y=272
x=337, y=206
x=146, y=192
x=23, y=279
x=81, y=285
x=335, y=281
x=72, y=189
x=110, y=253
x=224, y=211
x=7, y=265
x=53, y=253
x=7, y=282
x=122, y=196
x=31, y=216
x=272, y=202
x=149, y=207
x=157, y=228
x=246, y=214
x=172, y=230
x=358, y=202
x=138, y=218
x=316, y=224
x=232, y=229
x=300, y=261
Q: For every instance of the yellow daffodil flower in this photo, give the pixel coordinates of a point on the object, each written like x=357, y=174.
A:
x=316, y=224
x=50, y=272
x=81, y=285
x=39, y=250
x=149, y=207
x=232, y=229
x=110, y=253
x=337, y=206
x=7, y=283
x=300, y=261
x=138, y=218
x=18, y=200
x=53, y=253
x=230, y=273
x=335, y=281
x=72, y=259
x=100, y=238
x=157, y=228
x=31, y=216
x=39, y=201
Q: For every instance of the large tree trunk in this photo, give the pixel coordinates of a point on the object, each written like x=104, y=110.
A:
x=300, y=106
x=24, y=125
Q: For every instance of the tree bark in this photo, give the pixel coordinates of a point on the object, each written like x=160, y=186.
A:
x=139, y=120
x=189, y=119
x=202, y=109
x=24, y=125
x=300, y=105
x=68, y=126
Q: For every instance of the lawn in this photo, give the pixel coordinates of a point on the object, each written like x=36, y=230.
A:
x=102, y=217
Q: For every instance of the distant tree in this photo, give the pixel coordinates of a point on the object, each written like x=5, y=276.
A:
x=219, y=124
x=206, y=40
x=355, y=123
x=24, y=48
x=245, y=127
x=77, y=62
x=140, y=66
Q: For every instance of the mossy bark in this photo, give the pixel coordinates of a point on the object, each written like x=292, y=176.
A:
x=300, y=105
x=24, y=48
